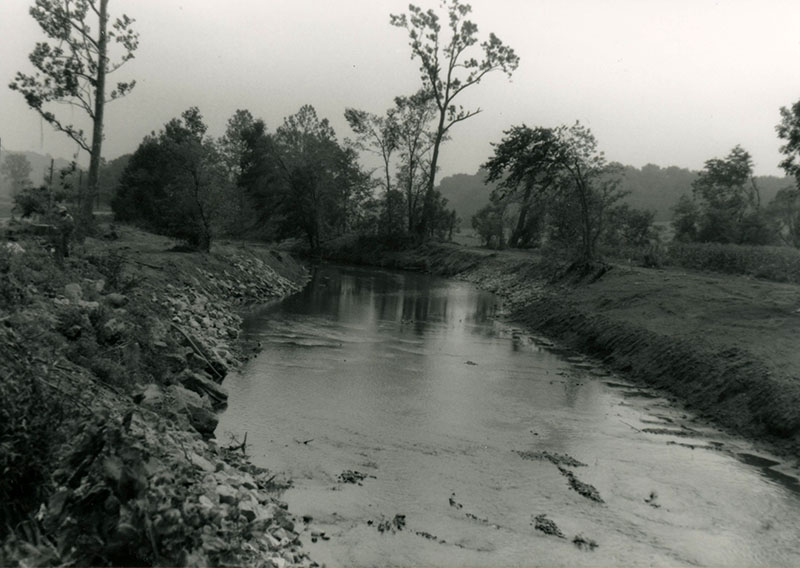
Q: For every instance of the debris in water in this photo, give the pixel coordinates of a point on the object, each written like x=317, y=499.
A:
x=652, y=500
x=477, y=518
x=580, y=487
x=584, y=543
x=430, y=536
x=547, y=526
x=669, y=431
x=352, y=476
x=556, y=459
x=396, y=524
x=470, y=363
x=453, y=502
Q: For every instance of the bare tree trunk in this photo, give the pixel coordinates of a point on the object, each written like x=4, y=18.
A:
x=428, y=204
x=517, y=234
x=97, y=133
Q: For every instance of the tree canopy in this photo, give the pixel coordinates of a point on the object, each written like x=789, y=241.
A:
x=726, y=204
x=176, y=184
x=789, y=131
x=448, y=66
x=301, y=180
x=16, y=169
x=559, y=171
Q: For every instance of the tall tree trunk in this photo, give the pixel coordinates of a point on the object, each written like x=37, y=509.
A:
x=410, y=194
x=517, y=234
x=428, y=204
x=97, y=133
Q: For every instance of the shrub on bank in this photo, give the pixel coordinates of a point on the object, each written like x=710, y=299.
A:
x=31, y=406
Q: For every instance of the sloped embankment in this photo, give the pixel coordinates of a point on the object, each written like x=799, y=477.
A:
x=109, y=371
x=724, y=345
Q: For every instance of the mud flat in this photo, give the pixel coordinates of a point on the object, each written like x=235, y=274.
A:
x=723, y=346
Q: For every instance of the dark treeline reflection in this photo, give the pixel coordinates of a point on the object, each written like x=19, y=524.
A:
x=415, y=301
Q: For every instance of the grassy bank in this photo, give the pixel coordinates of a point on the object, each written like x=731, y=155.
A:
x=724, y=345
x=110, y=372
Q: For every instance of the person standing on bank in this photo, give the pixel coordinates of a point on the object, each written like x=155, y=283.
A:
x=64, y=227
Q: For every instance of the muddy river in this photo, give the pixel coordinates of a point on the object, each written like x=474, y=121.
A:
x=419, y=429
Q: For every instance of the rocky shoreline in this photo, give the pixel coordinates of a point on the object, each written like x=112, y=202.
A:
x=125, y=347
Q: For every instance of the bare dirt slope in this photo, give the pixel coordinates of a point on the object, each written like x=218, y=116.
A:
x=716, y=311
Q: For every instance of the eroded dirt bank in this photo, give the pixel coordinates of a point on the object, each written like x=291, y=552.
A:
x=110, y=371
x=724, y=346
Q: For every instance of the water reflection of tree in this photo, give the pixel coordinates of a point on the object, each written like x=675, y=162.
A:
x=572, y=385
x=416, y=301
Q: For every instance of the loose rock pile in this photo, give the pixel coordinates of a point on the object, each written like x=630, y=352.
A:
x=137, y=371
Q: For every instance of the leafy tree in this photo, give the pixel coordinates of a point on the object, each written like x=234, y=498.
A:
x=447, y=68
x=729, y=201
x=594, y=182
x=490, y=224
x=110, y=174
x=628, y=226
x=525, y=166
x=377, y=134
x=176, y=183
x=784, y=211
x=685, y=219
x=412, y=116
x=232, y=148
x=262, y=183
x=307, y=151
x=301, y=181
x=35, y=200
x=563, y=166
x=17, y=170
x=232, y=145
x=392, y=214
x=351, y=188
x=789, y=132
x=72, y=69
x=404, y=130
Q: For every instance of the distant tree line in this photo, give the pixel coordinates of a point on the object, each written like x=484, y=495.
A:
x=548, y=184
x=555, y=185
x=726, y=204
x=300, y=180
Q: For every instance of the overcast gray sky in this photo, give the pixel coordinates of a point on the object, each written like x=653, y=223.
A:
x=670, y=82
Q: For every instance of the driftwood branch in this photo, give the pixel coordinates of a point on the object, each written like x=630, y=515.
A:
x=197, y=350
x=157, y=267
x=241, y=446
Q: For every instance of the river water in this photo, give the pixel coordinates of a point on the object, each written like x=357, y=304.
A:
x=414, y=422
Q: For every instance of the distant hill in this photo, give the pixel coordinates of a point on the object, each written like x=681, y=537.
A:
x=651, y=187
x=658, y=189
x=466, y=194
x=40, y=167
